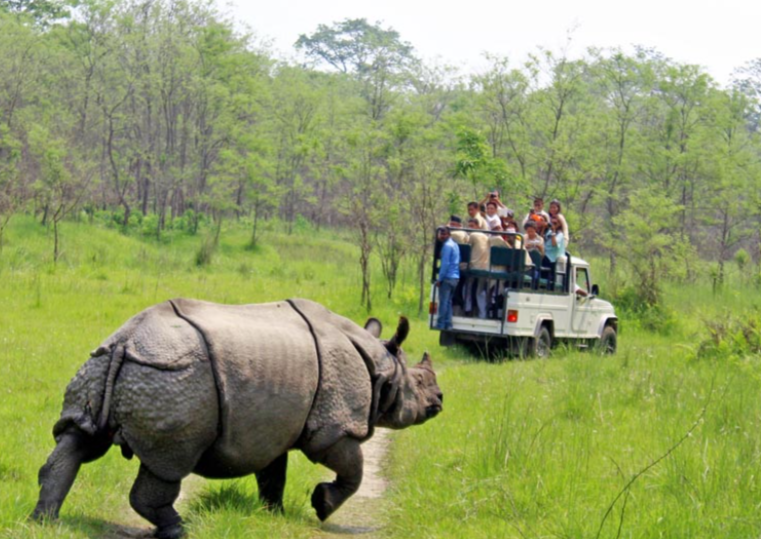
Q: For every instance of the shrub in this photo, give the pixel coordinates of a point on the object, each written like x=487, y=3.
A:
x=149, y=225
x=731, y=335
x=632, y=305
x=206, y=251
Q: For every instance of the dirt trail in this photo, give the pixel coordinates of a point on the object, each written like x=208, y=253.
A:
x=361, y=514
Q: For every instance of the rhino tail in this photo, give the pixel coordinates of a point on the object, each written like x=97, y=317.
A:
x=89, y=395
x=115, y=365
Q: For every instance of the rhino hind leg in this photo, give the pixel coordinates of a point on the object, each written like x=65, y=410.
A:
x=73, y=448
x=344, y=458
x=271, y=481
x=153, y=498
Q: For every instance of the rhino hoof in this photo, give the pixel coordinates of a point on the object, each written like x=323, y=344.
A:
x=44, y=514
x=170, y=532
x=321, y=501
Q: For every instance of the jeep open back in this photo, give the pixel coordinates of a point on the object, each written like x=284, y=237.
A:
x=526, y=308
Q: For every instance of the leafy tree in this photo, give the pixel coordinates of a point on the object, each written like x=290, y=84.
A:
x=63, y=178
x=376, y=57
x=652, y=247
x=43, y=12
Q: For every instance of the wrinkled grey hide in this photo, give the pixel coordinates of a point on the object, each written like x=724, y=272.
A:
x=227, y=390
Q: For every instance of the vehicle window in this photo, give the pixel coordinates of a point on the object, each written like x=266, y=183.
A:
x=582, y=279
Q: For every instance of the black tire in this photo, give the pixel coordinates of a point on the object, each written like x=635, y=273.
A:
x=541, y=345
x=608, y=341
x=447, y=338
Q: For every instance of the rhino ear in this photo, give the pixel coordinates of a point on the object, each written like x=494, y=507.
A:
x=374, y=327
x=402, y=330
x=426, y=361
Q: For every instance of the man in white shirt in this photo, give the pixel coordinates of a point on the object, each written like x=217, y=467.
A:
x=492, y=219
x=502, y=210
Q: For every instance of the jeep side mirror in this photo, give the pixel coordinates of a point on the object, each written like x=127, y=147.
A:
x=595, y=290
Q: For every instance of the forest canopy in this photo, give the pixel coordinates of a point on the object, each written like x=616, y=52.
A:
x=159, y=114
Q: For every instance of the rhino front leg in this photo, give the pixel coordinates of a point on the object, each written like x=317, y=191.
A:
x=57, y=475
x=153, y=499
x=271, y=482
x=344, y=458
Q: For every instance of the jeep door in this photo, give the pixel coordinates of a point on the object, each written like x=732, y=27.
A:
x=583, y=318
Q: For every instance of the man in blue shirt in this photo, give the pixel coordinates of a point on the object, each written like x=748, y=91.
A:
x=449, y=276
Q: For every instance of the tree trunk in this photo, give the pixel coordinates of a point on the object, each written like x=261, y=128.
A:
x=55, y=241
x=421, y=278
x=364, y=262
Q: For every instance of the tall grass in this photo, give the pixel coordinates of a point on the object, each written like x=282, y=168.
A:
x=523, y=448
x=51, y=317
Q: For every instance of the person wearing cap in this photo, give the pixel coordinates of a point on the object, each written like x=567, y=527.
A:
x=449, y=276
x=459, y=236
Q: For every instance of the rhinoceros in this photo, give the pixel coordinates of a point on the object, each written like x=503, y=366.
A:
x=227, y=390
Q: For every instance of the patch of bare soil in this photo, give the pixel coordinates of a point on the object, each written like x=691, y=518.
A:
x=360, y=515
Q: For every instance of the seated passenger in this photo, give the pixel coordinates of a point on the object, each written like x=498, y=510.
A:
x=475, y=214
x=555, y=211
x=534, y=241
x=509, y=219
x=512, y=239
x=536, y=213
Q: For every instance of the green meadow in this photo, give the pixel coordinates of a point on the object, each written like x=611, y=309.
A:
x=661, y=440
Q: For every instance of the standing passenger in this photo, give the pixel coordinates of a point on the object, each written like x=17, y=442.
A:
x=479, y=260
x=554, y=249
x=555, y=212
x=536, y=213
x=493, y=221
x=449, y=276
x=475, y=214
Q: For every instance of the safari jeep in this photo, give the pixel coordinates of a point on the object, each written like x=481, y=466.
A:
x=528, y=310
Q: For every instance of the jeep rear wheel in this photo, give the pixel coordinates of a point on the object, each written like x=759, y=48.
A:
x=541, y=345
x=608, y=341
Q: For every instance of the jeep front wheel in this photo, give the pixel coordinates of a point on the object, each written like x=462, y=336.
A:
x=608, y=341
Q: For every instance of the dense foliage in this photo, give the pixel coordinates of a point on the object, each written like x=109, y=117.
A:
x=161, y=115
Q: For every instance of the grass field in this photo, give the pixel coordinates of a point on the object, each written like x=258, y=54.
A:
x=523, y=448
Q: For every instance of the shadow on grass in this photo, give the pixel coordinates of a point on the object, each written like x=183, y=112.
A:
x=97, y=528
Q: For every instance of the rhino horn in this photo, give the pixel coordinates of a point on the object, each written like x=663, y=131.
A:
x=374, y=327
x=402, y=330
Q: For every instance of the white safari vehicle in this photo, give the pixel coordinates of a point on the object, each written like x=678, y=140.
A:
x=524, y=309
